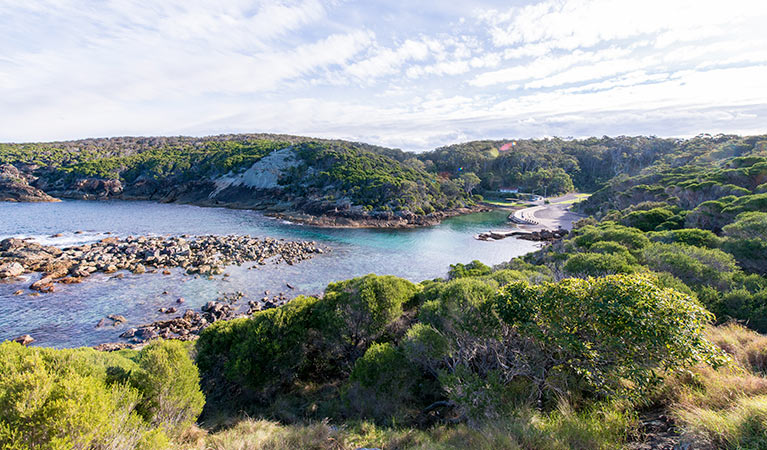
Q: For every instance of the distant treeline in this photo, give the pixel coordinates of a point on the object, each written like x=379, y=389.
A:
x=382, y=179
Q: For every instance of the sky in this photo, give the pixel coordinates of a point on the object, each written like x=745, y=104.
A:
x=412, y=74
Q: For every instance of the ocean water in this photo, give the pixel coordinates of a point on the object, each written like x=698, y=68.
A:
x=67, y=317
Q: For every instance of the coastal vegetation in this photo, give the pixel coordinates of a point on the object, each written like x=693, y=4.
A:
x=713, y=177
x=640, y=327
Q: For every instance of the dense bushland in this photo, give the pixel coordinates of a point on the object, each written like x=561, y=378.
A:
x=344, y=177
x=81, y=398
x=362, y=179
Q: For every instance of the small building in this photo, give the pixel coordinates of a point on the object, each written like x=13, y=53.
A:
x=507, y=190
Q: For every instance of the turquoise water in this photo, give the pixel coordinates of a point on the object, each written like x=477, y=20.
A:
x=67, y=318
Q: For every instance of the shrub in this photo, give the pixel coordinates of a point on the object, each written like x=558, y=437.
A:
x=423, y=343
x=383, y=367
x=606, y=336
x=456, y=303
x=266, y=351
x=52, y=399
x=606, y=330
x=631, y=238
x=170, y=382
x=364, y=307
x=747, y=241
x=473, y=269
x=689, y=236
x=647, y=220
x=746, y=306
x=306, y=339
x=382, y=384
x=694, y=265
x=599, y=264
x=506, y=276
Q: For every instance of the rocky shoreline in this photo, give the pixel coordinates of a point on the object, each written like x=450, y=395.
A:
x=203, y=255
x=538, y=235
x=22, y=185
x=190, y=324
x=15, y=187
x=379, y=221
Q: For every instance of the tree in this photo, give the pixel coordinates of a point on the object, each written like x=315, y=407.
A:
x=469, y=180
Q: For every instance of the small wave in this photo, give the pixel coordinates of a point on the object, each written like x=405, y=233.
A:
x=66, y=239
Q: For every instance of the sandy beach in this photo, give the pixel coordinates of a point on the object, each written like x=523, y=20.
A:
x=556, y=214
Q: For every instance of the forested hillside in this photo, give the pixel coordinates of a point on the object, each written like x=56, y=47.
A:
x=555, y=165
x=338, y=179
x=360, y=182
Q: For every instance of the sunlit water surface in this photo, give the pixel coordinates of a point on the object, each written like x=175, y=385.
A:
x=67, y=317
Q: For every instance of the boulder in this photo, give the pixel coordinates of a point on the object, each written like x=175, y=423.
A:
x=11, y=270
x=117, y=318
x=24, y=339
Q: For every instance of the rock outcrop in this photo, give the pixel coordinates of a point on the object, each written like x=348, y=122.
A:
x=205, y=255
x=542, y=235
x=15, y=187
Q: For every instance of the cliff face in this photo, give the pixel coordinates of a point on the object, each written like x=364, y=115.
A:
x=15, y=187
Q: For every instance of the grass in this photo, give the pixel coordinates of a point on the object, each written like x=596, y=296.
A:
x=724, y=408
x=507, y=203
x=578, y=198
x=602, y=427
x=742, y=425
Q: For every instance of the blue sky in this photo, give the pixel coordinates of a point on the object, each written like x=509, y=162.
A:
x=407, y=74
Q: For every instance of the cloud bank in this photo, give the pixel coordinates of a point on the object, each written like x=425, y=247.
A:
x=390, y=73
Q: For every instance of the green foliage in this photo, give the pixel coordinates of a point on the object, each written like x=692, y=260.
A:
x=382, y=367
x=365, y=306
x=265, y=351
x=694, y=265
x=614, y=248
x=647, y=220
x=605, y=330
x=689, y=236
x=171, y=385
x=747, y=241
x=81, y=398
x=631, y=238
x=599, y=264
x=473, y=269
x=306, y=339
x=469, y=180
x=383, y=384
x=457, y=304
x=424, y=343
x=180, y=162
x=372, y=180
x=506, y=276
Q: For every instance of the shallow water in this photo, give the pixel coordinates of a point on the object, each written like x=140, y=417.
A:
x=67, y=317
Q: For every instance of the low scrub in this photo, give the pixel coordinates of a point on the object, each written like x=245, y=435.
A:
x=57, y=399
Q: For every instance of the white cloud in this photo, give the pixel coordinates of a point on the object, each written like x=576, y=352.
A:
x=395, y=73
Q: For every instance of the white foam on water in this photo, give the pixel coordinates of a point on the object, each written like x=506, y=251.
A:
x=66, y=239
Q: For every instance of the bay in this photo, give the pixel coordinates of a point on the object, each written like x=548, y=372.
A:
x=67, y=317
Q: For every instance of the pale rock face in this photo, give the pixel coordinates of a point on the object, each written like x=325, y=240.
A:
x=263, y=174
x=10, y=270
